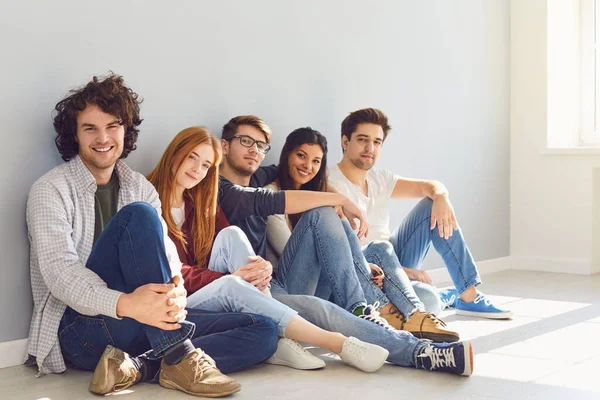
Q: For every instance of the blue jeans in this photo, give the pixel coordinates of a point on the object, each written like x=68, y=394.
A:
x=232, y=293
x=403, y=346
x=230, y=251
x=413, y=238
x=131, y=253
x=397, y=288
x=317, y=261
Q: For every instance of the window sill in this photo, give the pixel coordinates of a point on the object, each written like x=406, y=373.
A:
x=571, y=151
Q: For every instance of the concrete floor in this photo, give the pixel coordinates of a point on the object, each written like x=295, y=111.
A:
x=548, y=351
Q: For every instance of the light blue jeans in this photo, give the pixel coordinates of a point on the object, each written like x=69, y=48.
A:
x=397, y=288
x=413, y=238
x=403, y=346
x=230, y=251
x=317, y=261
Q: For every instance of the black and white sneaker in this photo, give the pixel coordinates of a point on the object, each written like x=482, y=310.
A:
x=371, y=314
x=455, y=358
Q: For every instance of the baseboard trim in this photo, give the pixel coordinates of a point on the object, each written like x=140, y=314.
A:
x=13, y=353
x=441, y=276
x=579, y=266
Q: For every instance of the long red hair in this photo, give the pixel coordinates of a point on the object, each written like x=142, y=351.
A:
x=203, y=195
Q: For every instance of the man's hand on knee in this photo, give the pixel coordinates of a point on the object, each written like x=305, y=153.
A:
x=417, y=275
x=158, y=305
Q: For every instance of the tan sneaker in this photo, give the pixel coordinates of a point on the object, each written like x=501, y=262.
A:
x=115, y=372
x=198, y=375
x=394, y=318
x=426, y=325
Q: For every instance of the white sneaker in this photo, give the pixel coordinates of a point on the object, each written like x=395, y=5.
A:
x=364, y=356
x=291, y=354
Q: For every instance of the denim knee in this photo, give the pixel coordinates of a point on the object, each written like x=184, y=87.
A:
x=325, y=215
x=379, y=247
x=140, y=209
x=429, y=296
x=268, y=338
x=424, y=206
x=231, y=233
x=228, y=285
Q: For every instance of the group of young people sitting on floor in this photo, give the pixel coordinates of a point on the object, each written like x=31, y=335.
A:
x=212, y=263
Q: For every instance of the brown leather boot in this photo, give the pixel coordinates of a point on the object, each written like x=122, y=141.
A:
x=198, y=375
x=426, y=325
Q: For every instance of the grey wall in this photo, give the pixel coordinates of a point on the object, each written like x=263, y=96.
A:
x=440, y=70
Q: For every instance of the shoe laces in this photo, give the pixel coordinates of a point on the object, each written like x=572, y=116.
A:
x=396, y=313
x=481, y=297
x=201, y=362
x=127, y=371
x=297, y=347
x=357, y=347
x=371, y=314
x=438, y=322
x=439, y=357
x=448, y=301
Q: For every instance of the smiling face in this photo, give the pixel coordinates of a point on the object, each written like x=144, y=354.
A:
x=304, y=162
x=364, y=146
x=100, y=138
x=194, y=167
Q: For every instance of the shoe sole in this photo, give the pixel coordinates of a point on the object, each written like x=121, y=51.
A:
x=101, y=372
x=468, y=359
x=505, y=315
x=436, y=337
x=290, y=365
x=172, y=385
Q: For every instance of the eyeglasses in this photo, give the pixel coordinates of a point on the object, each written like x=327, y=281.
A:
x=247, y=141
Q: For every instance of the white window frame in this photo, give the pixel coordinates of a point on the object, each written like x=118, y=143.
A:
x=590, y=73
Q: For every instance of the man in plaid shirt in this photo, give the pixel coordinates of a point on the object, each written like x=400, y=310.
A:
x=105, y=275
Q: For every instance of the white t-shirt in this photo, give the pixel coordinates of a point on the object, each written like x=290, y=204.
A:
x=279, y=231
x=380, y=184
x=178, y=215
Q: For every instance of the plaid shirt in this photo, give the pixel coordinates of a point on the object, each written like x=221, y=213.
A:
x=60, y=222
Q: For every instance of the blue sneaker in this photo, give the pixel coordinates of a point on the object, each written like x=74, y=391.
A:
x=448, y=297
x=481, y=307
x=455, y=358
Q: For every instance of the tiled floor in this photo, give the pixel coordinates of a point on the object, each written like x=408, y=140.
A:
x=548, y=351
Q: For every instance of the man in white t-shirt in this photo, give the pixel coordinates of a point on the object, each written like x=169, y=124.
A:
x=432, y=221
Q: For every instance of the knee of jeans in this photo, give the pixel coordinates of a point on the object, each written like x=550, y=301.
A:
x=229, y=284
x=232, y=233
x=380, y=247
x=424, y=206
x=140, y=209
x=325, y=215
x=429, y=296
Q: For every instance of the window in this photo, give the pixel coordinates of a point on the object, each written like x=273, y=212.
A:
x=590, y=73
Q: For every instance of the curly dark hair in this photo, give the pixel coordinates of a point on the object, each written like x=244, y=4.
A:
x=113, y=97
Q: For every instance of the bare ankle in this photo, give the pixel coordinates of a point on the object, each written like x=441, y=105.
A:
x=469, y=294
